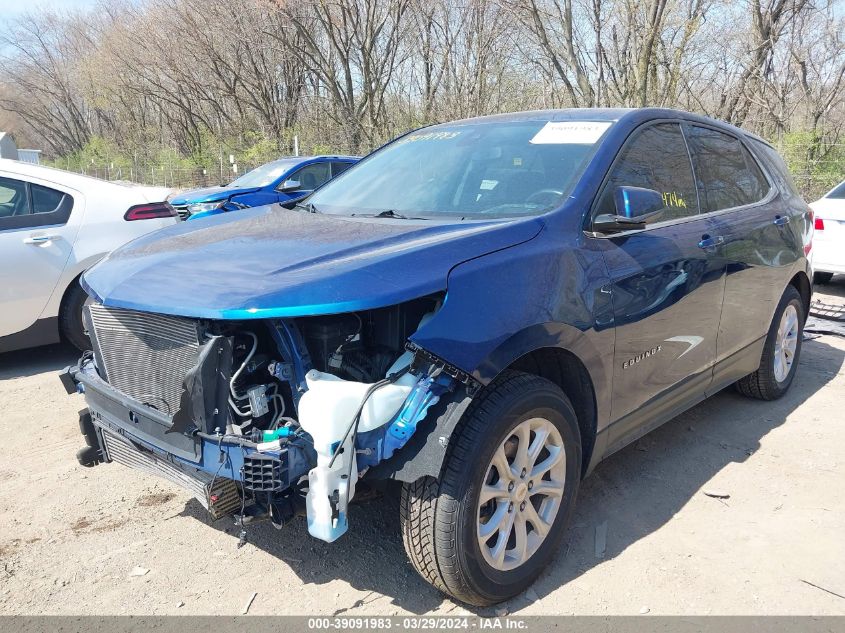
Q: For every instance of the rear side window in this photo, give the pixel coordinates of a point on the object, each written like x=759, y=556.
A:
x=26, y=205
x=45, y=200
x=657, y=159
x=728, y=176
x=777, y=167
x=339, y=168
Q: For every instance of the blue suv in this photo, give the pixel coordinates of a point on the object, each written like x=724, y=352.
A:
x=286, y=181
x=473, y=316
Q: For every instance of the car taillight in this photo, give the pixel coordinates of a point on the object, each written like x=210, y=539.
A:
x=819, y=224
x=149, y=211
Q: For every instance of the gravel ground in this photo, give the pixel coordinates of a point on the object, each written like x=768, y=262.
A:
x=108, y=540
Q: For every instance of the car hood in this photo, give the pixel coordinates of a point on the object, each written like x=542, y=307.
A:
x=209, y=194
x=272, y=262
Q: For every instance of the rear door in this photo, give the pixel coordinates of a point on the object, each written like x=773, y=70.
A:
x=666, y=287
x=38, y=226
x=761, y=243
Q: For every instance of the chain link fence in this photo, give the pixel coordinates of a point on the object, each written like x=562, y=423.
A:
x=813, y=179
x=163, y=175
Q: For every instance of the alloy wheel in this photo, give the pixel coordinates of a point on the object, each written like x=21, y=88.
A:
x=522, y=493
x=786, y=343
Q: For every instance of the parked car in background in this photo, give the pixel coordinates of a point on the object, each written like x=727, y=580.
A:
x=55, y=224
x=286, y=181
x=477, y=314
x=829, y=241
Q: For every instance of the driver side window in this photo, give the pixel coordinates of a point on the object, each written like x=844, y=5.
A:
x=312, y=176
x=657, y=158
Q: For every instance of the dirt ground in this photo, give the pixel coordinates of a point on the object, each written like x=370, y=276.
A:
x=71, y=537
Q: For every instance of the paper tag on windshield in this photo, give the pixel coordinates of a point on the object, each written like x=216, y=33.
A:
x=570, y=132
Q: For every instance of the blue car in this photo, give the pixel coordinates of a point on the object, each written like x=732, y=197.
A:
x=473, y=316
x=286, y=181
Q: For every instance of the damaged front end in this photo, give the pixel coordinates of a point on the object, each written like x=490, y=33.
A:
x=261, y=419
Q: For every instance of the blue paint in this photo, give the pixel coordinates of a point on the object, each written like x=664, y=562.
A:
x=424, y=396
x=271, y=262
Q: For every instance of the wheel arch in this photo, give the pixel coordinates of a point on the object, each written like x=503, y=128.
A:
x=801, y=282
x=566, y=356
x=568, y=372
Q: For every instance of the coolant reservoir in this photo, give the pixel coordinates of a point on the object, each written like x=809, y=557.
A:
x=326, y=411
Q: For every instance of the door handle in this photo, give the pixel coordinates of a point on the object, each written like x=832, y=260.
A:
x=710, y=242
x=781, y=220
x=39, y=239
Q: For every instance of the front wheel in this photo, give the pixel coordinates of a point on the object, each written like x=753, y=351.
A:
x=485, y=529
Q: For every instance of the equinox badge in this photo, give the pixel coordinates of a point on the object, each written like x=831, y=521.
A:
x=636, y=359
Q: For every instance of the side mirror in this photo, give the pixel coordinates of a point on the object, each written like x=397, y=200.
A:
x=635, y=208
x=290, y=185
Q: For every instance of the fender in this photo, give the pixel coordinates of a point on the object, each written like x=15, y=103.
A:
x=425, y=452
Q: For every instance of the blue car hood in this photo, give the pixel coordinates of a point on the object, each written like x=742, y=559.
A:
x=209, y=194
x=273, y=262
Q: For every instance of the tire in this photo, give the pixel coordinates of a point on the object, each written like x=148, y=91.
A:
x=71, y=325
x=822, y=278
x=765, y=383
x=441, y=519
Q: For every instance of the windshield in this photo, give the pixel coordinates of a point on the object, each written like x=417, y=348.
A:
x=471, y=171
x=838, y=192
x=264, y=175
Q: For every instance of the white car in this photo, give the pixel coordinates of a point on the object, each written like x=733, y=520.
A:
x=54, y=225
x=829, y=237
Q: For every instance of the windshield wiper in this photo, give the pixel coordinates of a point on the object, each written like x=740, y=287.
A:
x=387, y=213
x=307, y=206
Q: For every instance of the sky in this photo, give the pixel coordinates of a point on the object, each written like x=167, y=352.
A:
x=12, y=8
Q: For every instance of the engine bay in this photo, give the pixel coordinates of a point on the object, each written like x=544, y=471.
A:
x=292, y=412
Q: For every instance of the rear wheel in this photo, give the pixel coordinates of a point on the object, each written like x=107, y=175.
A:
x=70, y=317
x=780, y=352
x=822, y=278
x=484, y=531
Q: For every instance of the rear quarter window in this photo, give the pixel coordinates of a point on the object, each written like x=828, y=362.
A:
x=727, y=175
x=779, y=170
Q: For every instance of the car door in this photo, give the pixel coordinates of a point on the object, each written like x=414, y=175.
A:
x=666, y=287
x=38, y=226
x=760, y=244
x=309, y=178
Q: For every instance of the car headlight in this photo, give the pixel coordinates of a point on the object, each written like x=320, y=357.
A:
x=199, y=207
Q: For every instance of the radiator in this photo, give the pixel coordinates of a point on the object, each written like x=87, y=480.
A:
x=145, y=356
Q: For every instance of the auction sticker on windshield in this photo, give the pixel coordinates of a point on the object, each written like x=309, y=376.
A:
x=570, y=132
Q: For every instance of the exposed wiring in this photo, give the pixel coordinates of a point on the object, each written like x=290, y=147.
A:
x=248, y=358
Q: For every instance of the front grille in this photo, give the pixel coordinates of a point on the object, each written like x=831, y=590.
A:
x=145, y=356
x=264, y=473
x=218, y=495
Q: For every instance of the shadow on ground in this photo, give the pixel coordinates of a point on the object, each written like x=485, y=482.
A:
x=636, y=491
x=29, y=362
